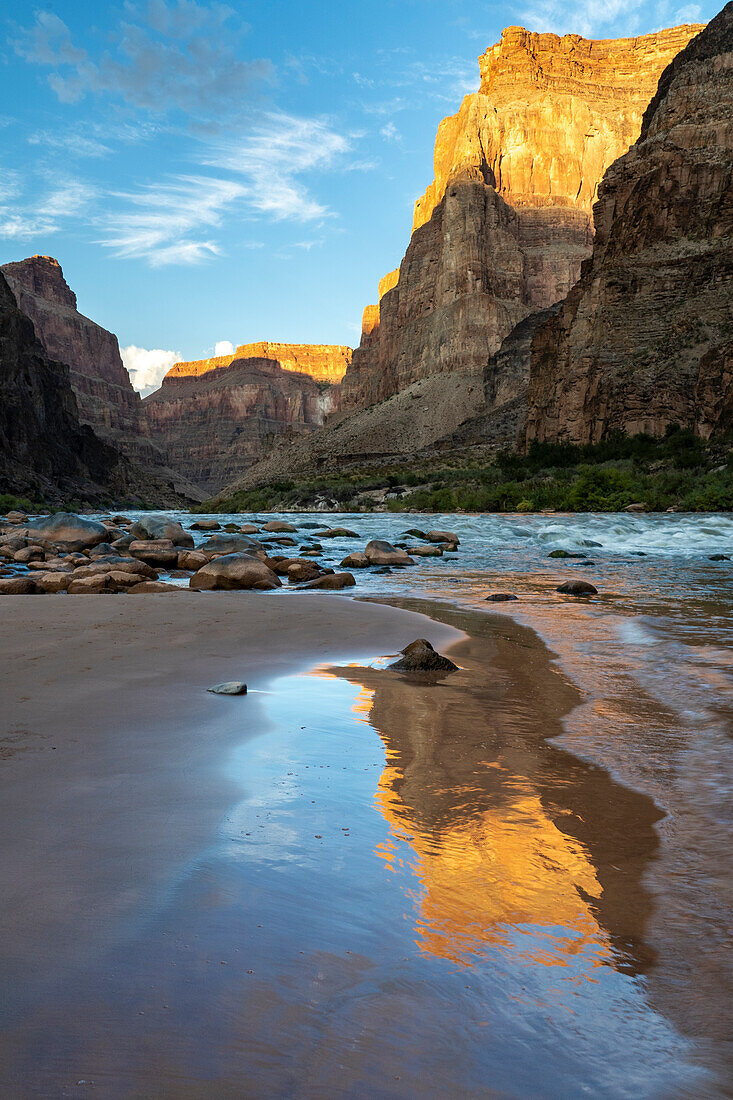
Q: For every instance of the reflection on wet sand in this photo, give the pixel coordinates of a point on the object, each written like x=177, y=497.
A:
x=514, y=843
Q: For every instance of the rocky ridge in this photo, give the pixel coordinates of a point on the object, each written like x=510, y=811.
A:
x=645, y=339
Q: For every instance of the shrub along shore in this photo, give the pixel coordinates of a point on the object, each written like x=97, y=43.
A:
x=680, y=471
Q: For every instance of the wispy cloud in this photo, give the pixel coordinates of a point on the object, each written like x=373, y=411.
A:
x=272, y=159
x=390, y=132
x=168, y=57
x=166, y=223
x=39, y=216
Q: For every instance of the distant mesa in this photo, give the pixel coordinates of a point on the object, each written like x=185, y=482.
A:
x=322, y=362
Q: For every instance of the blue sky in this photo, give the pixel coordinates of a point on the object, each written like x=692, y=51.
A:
x=211, y=172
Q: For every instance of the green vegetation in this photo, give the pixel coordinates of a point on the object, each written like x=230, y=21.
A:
x=10, y=503
x=679, y=470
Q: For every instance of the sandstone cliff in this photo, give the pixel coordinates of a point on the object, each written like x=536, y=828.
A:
x=322, y=362
x=645, y=339
x=502, y=230
x=104, y=393
x=214, y=418
x=44, y=449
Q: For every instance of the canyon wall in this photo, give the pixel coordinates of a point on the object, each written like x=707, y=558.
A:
x=503, y=228
x=45, y=451
x=645, y=339
x=214, y=418
x=104, y=393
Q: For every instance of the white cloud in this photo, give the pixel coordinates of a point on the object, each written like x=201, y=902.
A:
x=147, y=366
x=272, y=157
x=223, y=347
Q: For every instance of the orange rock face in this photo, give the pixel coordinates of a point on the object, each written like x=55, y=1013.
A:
x=503, y=228
x=322, y=362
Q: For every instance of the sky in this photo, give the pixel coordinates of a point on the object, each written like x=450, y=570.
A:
x=212, y=174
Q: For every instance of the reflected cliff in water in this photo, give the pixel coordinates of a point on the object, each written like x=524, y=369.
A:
x=514, y=843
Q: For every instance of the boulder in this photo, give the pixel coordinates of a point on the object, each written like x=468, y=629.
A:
x=191, y=559
x=66, y=528
x=52, y=582
x=152, y=588
x=95, y=584
x=635, y=508
x=719, y=557
x=379, y=552
x=565, y=554
x=299, y=571
x=248, y=529
x=332, y=581
x=234, y=571
x=442, y=536
x=279, y=525
x=357, y=560
x=230, y=544
x=101, y=550
x=162, y=527
x=419, y=656
x=123, y=543
x=415, y=533
x=16, y=517
x=17, y=586
x=28, y=554
x=155, y=551
x=577, y=588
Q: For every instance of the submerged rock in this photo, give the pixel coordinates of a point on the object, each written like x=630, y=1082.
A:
x=443, y=536
x=231, y=687
x=338, y=532
x=565, y=554
x=577, y=588
x=500, y=597
x=419, y=656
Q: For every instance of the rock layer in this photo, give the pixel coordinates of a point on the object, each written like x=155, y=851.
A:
x=213, y=423
x=502, y=230
x=645, y=339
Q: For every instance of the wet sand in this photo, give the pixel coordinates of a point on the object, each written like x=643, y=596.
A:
x=110, y=746
x=469, y=913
